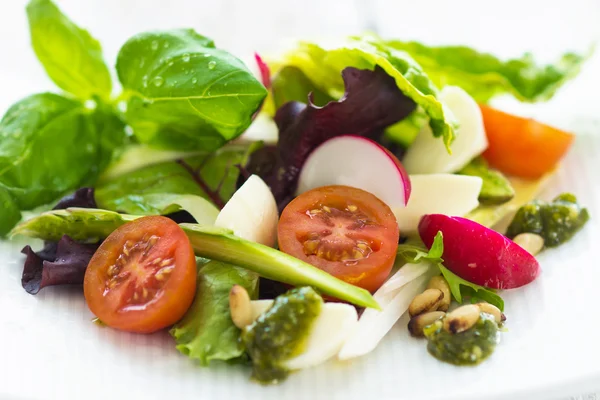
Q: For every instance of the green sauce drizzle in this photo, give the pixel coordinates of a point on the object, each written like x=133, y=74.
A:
x=467, y=348
x=556, y=222
x=280, y=333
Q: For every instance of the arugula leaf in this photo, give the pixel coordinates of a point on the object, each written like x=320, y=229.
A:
x=460, y=288
x=207, y=332
x=71, y=56
x=323, y=66
x=131, y=192
x=484, y=76
x=496, y=188
x=184, y=93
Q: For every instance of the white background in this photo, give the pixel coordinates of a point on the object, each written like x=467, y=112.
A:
x=506, y=28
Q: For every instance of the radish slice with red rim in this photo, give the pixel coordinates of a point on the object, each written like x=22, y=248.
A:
x=358, y=162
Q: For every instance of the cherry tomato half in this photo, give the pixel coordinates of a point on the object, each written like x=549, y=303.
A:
x=521, y=146
x=143, y=276
x=344, y=231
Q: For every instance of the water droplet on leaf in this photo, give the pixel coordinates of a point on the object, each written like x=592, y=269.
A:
x=194, y=81
x=158, y=81
x=154, y=45
x=185, y=57
x=212, y=64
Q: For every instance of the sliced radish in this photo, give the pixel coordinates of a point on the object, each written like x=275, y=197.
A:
x=358, y=162
x=328, y=333
x=428, y=155
x=394, y=297
x=438, y=194
x=479, y=254
x=251, y=213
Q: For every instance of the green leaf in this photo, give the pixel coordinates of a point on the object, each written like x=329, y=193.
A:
x=324, y=67
x=496, y=188
x=203, y=211
x=460, y=288
x=405, y=132
x=84, y=224
x=185, y=94
x=206, y=332
x=291, y=84
x=49, y=145
x=129, y=192
x=81, y=224
x=415, y=251
x=10, y=213
x=71, y=56
x=484, y=76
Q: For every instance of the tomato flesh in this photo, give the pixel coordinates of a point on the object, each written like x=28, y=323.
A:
x=522, y=147
x=143, y=276
x=344, y=231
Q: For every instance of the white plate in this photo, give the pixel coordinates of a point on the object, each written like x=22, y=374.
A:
x=49, y=349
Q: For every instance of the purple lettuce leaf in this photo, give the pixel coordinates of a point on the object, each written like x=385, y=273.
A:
x=83, y=198
x=62, y=263
x=371, y=103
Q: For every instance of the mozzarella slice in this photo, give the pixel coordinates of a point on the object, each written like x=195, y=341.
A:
x=448, y=194
x=428, y=154
x=251, y=213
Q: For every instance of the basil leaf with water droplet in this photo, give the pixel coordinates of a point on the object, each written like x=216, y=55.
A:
x=184, y=93
x=50, y=144
x=71, y=56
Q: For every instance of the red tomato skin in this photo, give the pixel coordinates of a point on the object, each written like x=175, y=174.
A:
x=369, y=273
x=171, y=302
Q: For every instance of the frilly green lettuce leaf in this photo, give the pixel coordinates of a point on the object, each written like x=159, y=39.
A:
x=207, y=332
x=324, y=66
x=484, y=76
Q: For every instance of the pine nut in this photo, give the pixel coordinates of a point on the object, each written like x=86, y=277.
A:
x=427, y=301
x=531, y=242
x=418, y=323
x=438, y=282
x=492, y=310
x=462, y=319
x=240, y=306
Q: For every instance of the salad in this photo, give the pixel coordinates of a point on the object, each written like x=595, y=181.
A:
x=391, y=186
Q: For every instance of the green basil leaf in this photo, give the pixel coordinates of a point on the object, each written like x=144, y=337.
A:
x=130, y=192
x=484, y=76
x=10, y=213
x=71, y=56
x=48, y=145
x=206, y=332
x=184, y=93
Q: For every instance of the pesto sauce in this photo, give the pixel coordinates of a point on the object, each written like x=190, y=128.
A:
x=280, y=333
x=556, y=222
x=467, y=348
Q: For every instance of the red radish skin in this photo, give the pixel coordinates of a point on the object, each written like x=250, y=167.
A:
x=478, y=254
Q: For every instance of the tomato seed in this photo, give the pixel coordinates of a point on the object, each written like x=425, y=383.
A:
x=352, y=208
